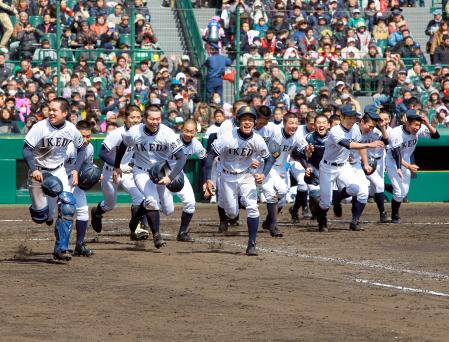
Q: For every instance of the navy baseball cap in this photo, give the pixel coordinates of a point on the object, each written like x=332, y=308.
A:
x=371, y=111
x=412, y=114
x=403, y=71
x=348, y=110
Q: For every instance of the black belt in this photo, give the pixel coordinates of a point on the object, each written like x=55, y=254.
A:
x=377, y=158
x=48, y=169
x=333, y=164
x=233, y=172
x=141, y=168
x=108, y=167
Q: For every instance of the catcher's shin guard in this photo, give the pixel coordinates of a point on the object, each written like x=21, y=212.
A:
x=63, y=228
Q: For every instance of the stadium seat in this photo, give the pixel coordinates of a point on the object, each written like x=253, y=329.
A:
x=35, y=20
x=13, y=19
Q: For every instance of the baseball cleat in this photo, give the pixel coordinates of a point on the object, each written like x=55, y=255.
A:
x=185, y=237
x=384, y=217
x=82, y=250
x=322, y=225
x=49, y=222
x=234, y=222
x=338, y=210
x=275, y=232
x=251, y=249
x=223, y=227
x=306, y=213
x=96, y=220
x=140, y=234
x=395, y=219
x=62, y=255
x=294, y=215
x=355, y=226
x=158, y=241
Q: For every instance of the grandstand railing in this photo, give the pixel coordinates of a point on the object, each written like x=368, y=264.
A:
x=184, y=11
x=366, y=84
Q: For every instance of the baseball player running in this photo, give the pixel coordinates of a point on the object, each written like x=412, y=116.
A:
x=153, y=143
x=133, y=116
x=275, y=185
x=374, y=128
x=191, y=146
x=298, y=172
x=82, y=210
x=227, y=126
x=44, y=152
x=237, y=149
x=403, y=141
x=310, y=158
x=335, y=167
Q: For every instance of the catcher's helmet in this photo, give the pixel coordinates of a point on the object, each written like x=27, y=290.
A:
x=177, y=183
x=246, y=110
x=158, y=171
x=162, y=169
x=295, y=154
x=89, y=175
x=274, y=148
x=373, y=163
x=51, y=185
x=313, y=179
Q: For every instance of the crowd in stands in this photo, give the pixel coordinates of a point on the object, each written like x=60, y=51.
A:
x=315, y=56
x=95, y=72
x=297, y=56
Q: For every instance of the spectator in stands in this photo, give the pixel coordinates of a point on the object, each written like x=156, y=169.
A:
x=29, y=39
x=99, y=27
x=5, y=72
x=45, y=51
x=216, y=65
x=39, y=7
x=7, y=125
x=22, y=6
x=99, y=9
x=123, y=27
x=442, y=52
x=73, y=87
x=116, y=16
x=47, y=26
x=86, y=37
x=143, y=10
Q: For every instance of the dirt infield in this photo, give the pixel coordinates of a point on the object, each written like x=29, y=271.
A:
x=388, y=283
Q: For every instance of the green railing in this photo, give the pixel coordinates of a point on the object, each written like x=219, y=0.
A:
x=363, y=84
x=184, y=11
x=437, y=4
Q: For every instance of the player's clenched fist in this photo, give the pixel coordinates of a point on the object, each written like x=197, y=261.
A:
x=208, y=188
x=37, y=175
x=116, y=174
x=259, y=177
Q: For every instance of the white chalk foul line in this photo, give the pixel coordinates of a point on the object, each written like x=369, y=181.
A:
x=402, y=288
x=295, y=254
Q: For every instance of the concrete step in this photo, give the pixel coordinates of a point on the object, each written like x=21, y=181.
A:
x=166, y=28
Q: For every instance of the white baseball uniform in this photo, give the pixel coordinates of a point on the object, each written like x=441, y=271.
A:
x=234, y=177
x=49, y=144
x=150, y=148
x=296, y=169
x=186, y=195
x=108, y=187
x=334, y=167
x=406, y=142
